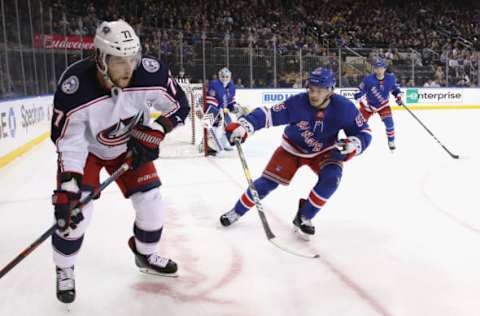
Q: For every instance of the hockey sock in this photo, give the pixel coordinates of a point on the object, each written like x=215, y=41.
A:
x=328, y=181
x=246, y=202
x=389, y=127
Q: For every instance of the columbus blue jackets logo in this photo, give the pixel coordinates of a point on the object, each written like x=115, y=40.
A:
x=150, y=65
x=119, y=133
x=70, y=85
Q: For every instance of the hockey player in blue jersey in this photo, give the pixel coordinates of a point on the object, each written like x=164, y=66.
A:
x=220, y=103
x=310, y=138
x=374, y=94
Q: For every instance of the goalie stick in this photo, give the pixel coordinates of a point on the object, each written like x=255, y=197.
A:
x=266, y=227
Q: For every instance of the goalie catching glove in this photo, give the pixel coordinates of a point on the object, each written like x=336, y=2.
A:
x=347, y=148
x=66, y=201
x=239, y=131
x=145, y=141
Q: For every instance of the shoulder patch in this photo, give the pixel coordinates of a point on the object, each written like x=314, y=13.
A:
x=70, y=85
x=211, y=93
x=150, y=65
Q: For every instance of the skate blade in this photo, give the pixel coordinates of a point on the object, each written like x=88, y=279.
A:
x=153, y=272
x=67, y=306
x=301, y=234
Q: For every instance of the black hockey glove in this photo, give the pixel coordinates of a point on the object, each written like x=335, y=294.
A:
x=65, y=198
x=145, y=141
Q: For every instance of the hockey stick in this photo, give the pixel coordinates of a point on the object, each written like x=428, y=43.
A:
x=266, y=227
x=454, y=156
x=123, y=168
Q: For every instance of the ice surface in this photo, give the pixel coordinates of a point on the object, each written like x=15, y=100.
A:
x=399, y=237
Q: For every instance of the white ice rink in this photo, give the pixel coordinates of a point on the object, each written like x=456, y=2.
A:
x=401, y=236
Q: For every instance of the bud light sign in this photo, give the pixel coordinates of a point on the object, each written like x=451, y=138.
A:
x=276, y=96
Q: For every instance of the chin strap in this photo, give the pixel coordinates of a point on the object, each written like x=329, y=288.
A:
x=104, y=71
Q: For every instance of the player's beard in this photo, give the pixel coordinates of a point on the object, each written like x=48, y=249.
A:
x=122, y=81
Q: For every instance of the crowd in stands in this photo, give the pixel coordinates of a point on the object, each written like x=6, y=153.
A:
x=436, y=36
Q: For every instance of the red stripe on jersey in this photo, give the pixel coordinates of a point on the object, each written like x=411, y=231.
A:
x=172, y=86
x=144, y=89
x=212, y=100
x=295, y=146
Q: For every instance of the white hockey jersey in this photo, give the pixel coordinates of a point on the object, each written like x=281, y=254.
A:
x=89, y=119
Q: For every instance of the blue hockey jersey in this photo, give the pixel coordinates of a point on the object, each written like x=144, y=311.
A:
x=310, y=132
x=219, y=97
x=377, y=91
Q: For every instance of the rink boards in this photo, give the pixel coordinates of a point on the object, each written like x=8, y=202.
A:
x=26, y=122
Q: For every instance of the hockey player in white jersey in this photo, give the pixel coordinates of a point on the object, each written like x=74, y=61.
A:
x=102, y=111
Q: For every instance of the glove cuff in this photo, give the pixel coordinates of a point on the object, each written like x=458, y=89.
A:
x=165, y=125
x=70, y=181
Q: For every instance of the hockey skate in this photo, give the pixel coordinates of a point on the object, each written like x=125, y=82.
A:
x=391, y=145
x=303, y=227
x=153, y=264
x=229, y=218
x=65, y=285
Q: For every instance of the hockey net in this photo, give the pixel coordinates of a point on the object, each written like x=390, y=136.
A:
x=187, y=141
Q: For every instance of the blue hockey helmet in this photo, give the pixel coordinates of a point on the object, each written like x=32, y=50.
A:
x=378, y=63
x=322, y=77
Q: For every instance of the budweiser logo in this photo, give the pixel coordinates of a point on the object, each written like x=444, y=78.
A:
x=72, y=42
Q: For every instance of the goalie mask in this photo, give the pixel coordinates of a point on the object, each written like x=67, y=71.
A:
x=116, y=38
x=225, y=75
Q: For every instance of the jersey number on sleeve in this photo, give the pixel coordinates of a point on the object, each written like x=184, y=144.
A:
x=59, y=117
